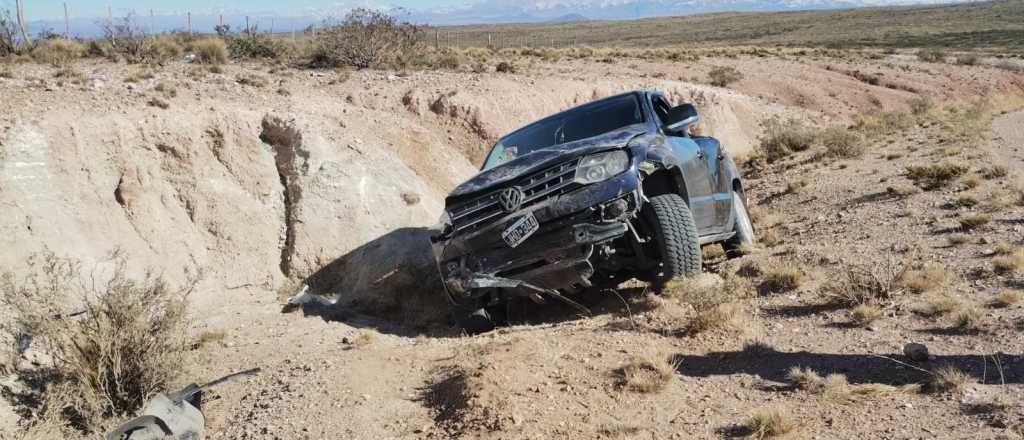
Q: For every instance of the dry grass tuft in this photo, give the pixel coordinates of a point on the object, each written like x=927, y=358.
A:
x=936, y=175
x=252, y=80
x=363, y=338
x=1007, y=298
x=159, y=103
x=864, y=285
x=58, y=52
x=1009, y=259
x=208, y=337
x=769, y=422
x=865, y=314
x=966, y=200
x=646, y=375
x=712, y=252
x=779, y=280
x=782, y=137
x=805, y=379
x=994, y=172
x=949, y=379
x=722, y=76
x=210, y=51
x=127, y=344
x=967, y=319
x=972, y=222
x=924, y=279
x=941, y=304
x=719, y=316
x=957, y=239
x=842, y=143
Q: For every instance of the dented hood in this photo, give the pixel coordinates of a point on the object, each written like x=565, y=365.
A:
x=539, y=159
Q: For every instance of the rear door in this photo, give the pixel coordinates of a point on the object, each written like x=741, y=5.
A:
x=721, y=188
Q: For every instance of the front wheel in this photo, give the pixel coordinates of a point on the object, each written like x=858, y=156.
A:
x=742, y=226
x=675, y=241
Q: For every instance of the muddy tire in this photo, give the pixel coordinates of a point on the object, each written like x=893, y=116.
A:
x=742, y=226
x=675, y=239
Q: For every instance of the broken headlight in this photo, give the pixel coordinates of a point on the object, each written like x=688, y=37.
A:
x=602, y=166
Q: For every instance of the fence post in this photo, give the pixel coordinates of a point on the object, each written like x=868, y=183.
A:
x=188, y=18
x=247, y=24
x=66, y=26
x=437, y=39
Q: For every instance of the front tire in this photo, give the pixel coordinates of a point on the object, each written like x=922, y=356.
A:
x=742, y=226
x=675, y=239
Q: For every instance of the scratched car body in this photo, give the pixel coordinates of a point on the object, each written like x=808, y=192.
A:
x=611, y=190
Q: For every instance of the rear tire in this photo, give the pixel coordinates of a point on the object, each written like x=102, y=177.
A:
x=742, y=226
x=473, y=320
x=675, y=239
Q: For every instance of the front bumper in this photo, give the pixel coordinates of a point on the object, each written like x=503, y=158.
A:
x=556, y=257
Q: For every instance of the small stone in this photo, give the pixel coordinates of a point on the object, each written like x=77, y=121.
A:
x=916, y=352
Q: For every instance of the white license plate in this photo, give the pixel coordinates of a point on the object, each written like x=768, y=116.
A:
x=520, y=230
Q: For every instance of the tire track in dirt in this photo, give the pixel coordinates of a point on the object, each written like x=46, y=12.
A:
x=1008, y=137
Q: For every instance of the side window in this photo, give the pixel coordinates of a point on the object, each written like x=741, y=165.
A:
x=660, y=108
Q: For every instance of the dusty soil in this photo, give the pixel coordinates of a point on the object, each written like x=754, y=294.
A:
x=330, y=178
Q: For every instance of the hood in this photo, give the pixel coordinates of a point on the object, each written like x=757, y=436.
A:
x=537, y=160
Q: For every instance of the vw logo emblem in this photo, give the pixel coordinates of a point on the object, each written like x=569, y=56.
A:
x=511, y=198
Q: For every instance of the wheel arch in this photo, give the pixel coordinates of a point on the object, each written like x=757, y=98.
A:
x=666, y=181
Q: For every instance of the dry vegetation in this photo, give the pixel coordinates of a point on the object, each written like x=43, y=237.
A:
x=112, y=346
x=646, y=375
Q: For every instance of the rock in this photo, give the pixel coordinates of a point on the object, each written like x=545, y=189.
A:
x=916, y=352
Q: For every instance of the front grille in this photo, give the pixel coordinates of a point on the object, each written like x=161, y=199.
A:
x=536, y=188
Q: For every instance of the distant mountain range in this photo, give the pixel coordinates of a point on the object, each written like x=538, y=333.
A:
x=484, y=12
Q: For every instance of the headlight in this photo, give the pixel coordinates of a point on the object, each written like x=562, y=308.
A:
x=601, y=167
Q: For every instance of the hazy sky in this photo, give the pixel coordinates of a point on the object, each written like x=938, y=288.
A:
x=49, y=9
x=53, y=9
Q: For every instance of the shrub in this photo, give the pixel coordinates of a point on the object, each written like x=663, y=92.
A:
x=722, y=76
x=780, y=280
x=842, y=143
x=935, y=176
x=8, y=39
x=968, y=59
x=126, y=345
x=924, y=279
x=505, y=67
x=941, y=304
x=769, y=422
x=864, y=285
x=966, y=200
x=921, y=105
x=972, y=222
x=646, y=375
x=865, y=314
x=994, y=172
x=58, y=52
x=163, y=48
x=158, y=103
x=957, y=239
x=123, y=37
x=950, y=379
x=253, y=45
x=1008, y=298
x=1008, y=264
x=252, y=80
x=366, y=38
x=782, y=137
x=210, y=51
x=874, y=125
x=967, y=319
x=931, y=55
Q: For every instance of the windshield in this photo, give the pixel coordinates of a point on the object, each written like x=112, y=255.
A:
x=580, y=123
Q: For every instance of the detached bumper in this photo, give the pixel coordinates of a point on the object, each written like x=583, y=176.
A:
x=556, y=257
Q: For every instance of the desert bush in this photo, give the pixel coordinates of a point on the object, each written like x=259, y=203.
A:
x=646, y=375
x=123, y=37
x=366, y=38
x=966, y=200
x=865, y=314
x=1007, y=298
x=58, y=52
x=973, y=222
x=969, y=59
x=158, y=103
x=949, y=379
x=931, y=55
x=967, y=319
x=936, y=175
x=921, y=105
x=111, y=344
x=253, y=80
x=923, y=279
x=253, y=44
x=164, y=47
x=941, y=304
x=842, y=143
x=994, y=172
x=864, y=285
x=1008, y=264
x=769, y=422
x=957, y=239
x=779, y=280
x=210, y=51
x=782, y=137
x=722, y=76
x=505, y=67
x=874, y=125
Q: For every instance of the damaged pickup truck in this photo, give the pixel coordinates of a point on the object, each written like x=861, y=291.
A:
x=608, y=191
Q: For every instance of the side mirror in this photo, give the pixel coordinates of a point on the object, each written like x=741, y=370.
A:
x=680, y=117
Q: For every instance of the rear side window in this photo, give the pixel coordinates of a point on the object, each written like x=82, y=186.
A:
x=580, y=123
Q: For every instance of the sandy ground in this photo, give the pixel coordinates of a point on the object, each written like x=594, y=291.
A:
x=92, y=166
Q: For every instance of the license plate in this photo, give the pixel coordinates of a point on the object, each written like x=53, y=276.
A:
x=520, y=230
